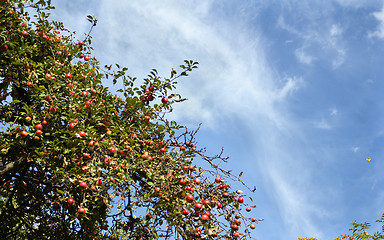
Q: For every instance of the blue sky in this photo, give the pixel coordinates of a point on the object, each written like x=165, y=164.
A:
x=290, y=89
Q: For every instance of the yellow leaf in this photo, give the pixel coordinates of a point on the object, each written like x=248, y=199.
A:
x=368, y=159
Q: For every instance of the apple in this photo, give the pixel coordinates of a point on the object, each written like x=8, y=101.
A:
x=39, y=132
x=24, y=33
x=219, y=205
x=68, y=75
x=189, y=198
x=248, y=209
x=196, y=180
x=204, y=217
x=185, y=212
x=72, y=125
x=83, y=185
x=56, y=31
x=84, y=93
x=206, y=202
x=70, y=201
x=157, y=189
x=112, y=149
x=86, y=58
x=252, y=226
x=39, y=126
x=234, y=227
x=164, y=100
x=99, y=181
x=81, y=210
x=23, y=133
x=198, y=205
x=44, y=122
x=218, y=180
x=52, y=110
x=240, y=200
x=4, y=47
x=182, y=181
x=82, y=134
x=29, y=84
x=237, y=222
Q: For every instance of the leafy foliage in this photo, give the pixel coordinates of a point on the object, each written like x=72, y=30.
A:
x=79, y=162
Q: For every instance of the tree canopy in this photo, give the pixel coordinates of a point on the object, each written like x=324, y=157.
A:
x=81, y=162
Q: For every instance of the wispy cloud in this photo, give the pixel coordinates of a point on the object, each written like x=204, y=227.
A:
x=380, y=29
x=315, y=32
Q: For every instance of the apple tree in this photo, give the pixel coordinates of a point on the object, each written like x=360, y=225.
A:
x=80, y=162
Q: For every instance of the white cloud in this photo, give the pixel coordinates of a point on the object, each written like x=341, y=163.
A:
x=315, y=32
x=336, y=30
x=380, y=29
x=303, y=57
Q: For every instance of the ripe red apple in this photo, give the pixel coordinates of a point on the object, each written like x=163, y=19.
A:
x=39, y=126
x=218, y=180
x=234, y=227
x=237, y=222
x=185, y=212
x=82, y=134
x=248, y=209
x=198, y=205
x=84, y=93
x=68, y=75
x=81, y=210
x=24, y=33
x=189, y=198
x=71, y=125
x=252, y=226
x=206, y=202
x=157, y=189
x=240, y=200
x=83, y=185
x=99, y=181
x=204, y=217
x=4, y=47
x=112, y=149
x=44, y=122
x=39, y=132
x=86, y=58
x=70, y=201
x=196, y=180
x=29, y=84
x=182, y=181
x=164, y=100
x=23, y=133
x=219, y=205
